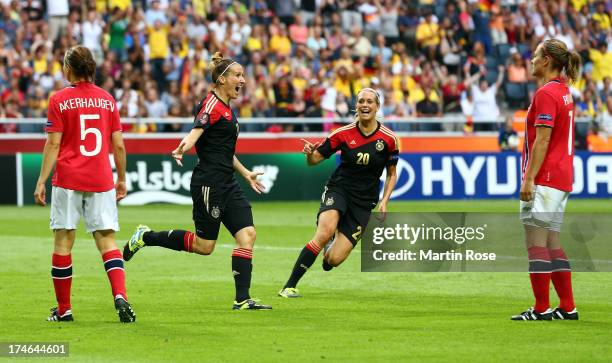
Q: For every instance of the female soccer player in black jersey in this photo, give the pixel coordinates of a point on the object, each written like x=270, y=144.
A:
x=217, y=197
x=366, y=149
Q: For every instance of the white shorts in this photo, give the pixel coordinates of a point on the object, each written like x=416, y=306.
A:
x=99, y=210
x=545, y=209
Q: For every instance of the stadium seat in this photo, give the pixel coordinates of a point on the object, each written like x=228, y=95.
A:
x=491, y=76
x=524, y=49
x=503, y=52
x=516, y=94
x=491, y=63
x=531, y=87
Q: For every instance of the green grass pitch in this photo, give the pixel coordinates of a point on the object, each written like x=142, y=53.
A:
x=183, y=301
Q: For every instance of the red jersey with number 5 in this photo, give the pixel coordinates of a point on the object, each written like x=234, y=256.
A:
x=86, y=115
x=553, y=107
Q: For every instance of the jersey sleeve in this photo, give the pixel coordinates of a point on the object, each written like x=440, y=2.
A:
x=116, y=119
x=545, y=107
x=330, y=145
x=393, y=152
x=54, y=118
x=203, y=119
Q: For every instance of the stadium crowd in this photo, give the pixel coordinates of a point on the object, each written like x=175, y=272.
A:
x=304, y=58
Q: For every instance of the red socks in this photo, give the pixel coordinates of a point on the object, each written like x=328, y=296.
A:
x=188, y=239
x=113, y=263
x=540, y=269
x=61, y=272
x=313, y=247
x=562, y=279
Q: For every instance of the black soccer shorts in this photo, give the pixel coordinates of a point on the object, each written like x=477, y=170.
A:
x=353, y=218
x=213, y=205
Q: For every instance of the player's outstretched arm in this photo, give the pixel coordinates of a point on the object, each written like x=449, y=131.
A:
x=540, y=146
x=119, y=156
x=390, y=181
x=249, y=176
x=52, y=146
x=186, y=144
x=313, y=156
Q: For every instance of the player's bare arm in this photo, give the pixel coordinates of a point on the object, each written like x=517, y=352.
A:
x=186, y=144
x=313, y=157
x=390, y=181
x=119, y=156
x=540, y=146
x=52, y=146
x=249, y=176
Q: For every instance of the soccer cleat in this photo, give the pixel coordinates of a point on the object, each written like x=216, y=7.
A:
x=135, y=243
x=531, y=314
x=124, y=310
x=67, y=316
x=250, y=304
x=289, y=293
x=326, y=266
x=560, y=314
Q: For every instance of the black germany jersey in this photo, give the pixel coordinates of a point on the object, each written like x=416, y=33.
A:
x=217, y=145
x=362, y=161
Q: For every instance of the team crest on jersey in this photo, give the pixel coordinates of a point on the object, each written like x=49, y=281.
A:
x=380, y=146
x=215, y=212
x=202, y=119
x=329, y=201
x=226, y=114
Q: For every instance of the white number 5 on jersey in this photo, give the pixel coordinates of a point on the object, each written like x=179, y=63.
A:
x=92, y=130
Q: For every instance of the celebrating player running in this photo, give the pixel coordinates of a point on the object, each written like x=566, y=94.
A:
x=366, y=149
x=217, y=196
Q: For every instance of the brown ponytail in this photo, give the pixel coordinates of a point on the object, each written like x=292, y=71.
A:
x=218, y=66
x=81, y=63
x=572, y=68
x=562, y=58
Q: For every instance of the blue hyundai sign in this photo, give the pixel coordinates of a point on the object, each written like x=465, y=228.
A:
x=489, y=175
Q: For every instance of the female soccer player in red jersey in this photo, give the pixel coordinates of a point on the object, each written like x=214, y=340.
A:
x=217, y=196
x=366, y=148
x=83, y=126
x=547, y=179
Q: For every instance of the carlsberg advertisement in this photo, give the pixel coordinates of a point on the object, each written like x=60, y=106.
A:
x=158, y=179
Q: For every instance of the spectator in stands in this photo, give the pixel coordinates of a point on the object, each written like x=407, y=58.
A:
x=298, y=32
x=605, y=120
x=484, y=96
x=389, y=14
x=508, y=139
x=589, y=104
x=602, y=62
x=155, y=13
x=118, y=27
x=159, y=50
x=58, y=11
x=517, y=69
x=156, y=108
x=477, y=62
x=427, y=107
x=311, y=46
x=606, y=88
x=449, y=48
x=359, y=44
x=451, y=94
x=428, y=36
x=93, y=29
